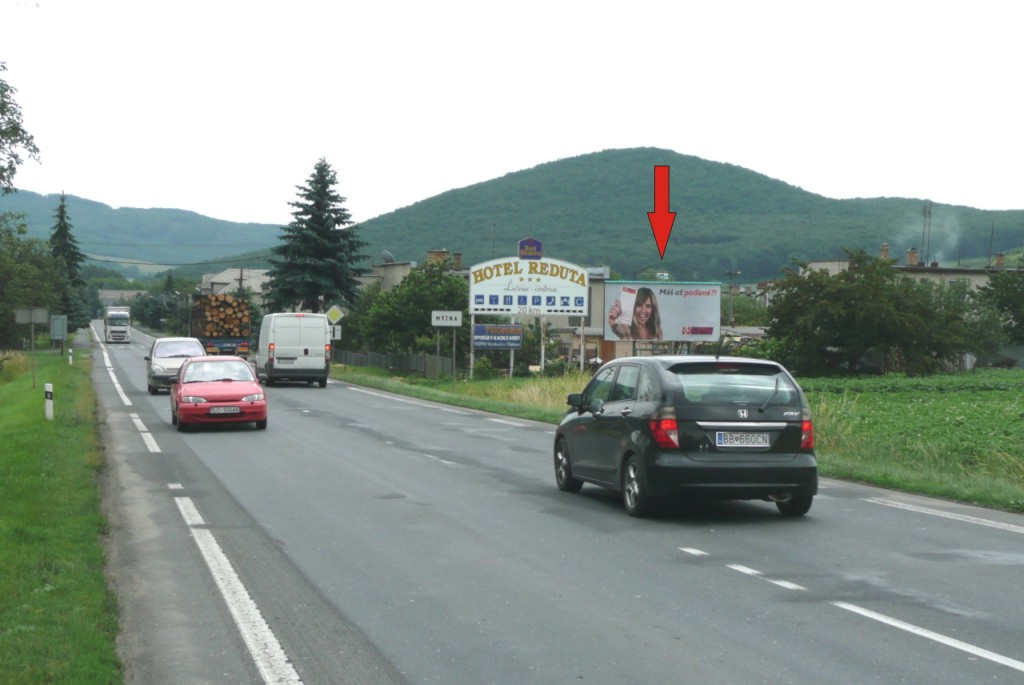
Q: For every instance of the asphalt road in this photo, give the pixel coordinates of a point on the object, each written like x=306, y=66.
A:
x=370, y=538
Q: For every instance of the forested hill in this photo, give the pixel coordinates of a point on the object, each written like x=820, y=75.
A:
x=590, y=210
x=161, y=236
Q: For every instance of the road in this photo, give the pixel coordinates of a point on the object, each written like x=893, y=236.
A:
x=370, y=538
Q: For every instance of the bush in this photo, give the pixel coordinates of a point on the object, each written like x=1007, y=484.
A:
x=483, y=369
x=556, y=368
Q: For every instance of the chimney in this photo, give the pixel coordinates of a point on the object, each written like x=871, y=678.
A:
x=458, y=261
x=1000, y=260
x=912, y=257
x=437, y=255
x=885, y=251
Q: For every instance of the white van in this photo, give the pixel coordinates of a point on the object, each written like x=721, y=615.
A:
x=294, y=346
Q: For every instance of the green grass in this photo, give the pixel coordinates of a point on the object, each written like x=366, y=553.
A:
x=957, y=437
x=58, y=617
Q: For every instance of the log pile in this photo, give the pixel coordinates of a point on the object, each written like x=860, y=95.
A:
x=221, y=316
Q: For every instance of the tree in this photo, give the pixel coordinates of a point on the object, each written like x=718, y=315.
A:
x=315, y=265
x=399, y=320
x=15, y=142
x=64, y=249
x=28, y=275
x=1005, y=292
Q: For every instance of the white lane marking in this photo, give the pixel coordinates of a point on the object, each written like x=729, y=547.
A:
x=757, y=574
x=266, y=651
x=144, y=432
x=695, y=552
x=110, y=369
x=175, y=486
x=402, y=399
x=937, y=637
x=509, y=423
x=948, y=515
x=443, y=461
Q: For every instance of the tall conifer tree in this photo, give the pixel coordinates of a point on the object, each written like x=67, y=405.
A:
x=316, y=264
x=64, y=249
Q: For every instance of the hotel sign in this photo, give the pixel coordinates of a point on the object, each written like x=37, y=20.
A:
x=528, y=287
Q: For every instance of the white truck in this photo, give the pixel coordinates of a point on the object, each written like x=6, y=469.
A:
x=117, y=324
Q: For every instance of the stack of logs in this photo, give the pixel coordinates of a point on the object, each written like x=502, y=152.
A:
x=221, y=316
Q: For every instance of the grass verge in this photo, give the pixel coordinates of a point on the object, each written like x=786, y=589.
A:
x=956, y=437
x=58, y=617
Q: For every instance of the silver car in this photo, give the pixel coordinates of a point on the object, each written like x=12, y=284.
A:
x=165, y=358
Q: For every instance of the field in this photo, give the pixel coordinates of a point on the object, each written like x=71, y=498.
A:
x=958, y=437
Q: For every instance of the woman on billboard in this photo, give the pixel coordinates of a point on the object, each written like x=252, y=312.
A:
x=645, y=321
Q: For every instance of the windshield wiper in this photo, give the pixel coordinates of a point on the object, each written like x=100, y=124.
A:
x=770, y=397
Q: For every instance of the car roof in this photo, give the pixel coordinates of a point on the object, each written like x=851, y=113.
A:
x=218, y=358
x=670, y=360
x=172, y=339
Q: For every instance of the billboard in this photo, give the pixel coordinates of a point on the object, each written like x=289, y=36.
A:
x=497, y=336
x=518, y=286
x=640, y=310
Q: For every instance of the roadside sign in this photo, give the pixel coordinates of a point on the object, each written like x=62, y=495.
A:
x=442, y=318
x=335, y=332
x=334, y=314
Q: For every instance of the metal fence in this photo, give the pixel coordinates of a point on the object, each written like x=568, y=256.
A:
x=426, y=365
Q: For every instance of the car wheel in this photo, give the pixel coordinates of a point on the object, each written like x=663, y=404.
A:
x=563, y=469
x=151, y=389
x=174, y=419
x=633, y=497
x=795, y=505
x=323, y=382
x=262, y=425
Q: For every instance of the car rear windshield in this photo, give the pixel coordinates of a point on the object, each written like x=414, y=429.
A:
x=735, y=383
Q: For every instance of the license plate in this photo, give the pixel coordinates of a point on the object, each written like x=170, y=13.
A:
x=741, y=439
x=225, y=410
x=285, y=361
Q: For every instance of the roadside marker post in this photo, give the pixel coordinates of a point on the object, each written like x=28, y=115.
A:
x=48, y=389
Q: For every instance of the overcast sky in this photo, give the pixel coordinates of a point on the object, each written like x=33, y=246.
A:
x=223, y=107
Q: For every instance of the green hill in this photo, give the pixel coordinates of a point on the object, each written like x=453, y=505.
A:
x=590, y=210
x=169, y=237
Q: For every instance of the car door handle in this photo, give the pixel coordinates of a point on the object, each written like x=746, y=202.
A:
x=626, y=412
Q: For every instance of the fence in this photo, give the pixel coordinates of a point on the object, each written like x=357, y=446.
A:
x=426, y=365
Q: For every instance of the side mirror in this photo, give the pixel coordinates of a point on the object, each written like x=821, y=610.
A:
x=574, y=400
x=147, y=358
x=174, y=381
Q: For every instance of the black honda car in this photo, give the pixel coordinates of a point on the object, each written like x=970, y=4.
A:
x=698, y=427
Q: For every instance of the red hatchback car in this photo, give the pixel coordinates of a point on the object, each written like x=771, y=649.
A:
x=217, y=389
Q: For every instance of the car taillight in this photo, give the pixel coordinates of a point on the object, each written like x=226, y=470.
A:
x=327, y=352
x=807, y=432
x=665, y=432
x=270, y=352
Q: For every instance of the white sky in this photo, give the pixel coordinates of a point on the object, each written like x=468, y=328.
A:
x=223, y=107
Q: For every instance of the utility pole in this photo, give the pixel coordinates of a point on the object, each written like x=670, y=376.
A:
x=732, y=275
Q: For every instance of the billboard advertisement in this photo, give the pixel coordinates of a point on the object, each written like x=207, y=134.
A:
x=638, y=310
x=497, y=336
x=532, y=286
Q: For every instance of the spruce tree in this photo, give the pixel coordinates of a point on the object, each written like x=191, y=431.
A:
x=64, y=249
x=316, y=264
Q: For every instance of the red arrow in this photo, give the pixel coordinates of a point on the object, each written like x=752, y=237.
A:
x=661, y=219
